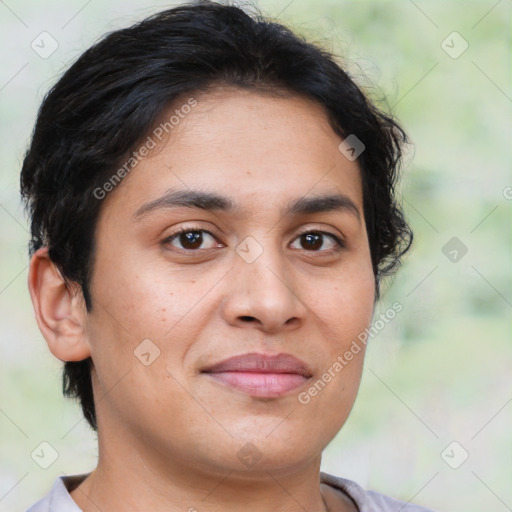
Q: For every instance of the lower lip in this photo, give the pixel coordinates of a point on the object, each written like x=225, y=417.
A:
x=260, y=384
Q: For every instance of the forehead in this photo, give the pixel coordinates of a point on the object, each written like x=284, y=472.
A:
x=257, y=149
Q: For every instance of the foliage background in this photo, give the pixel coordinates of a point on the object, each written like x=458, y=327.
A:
x=441, y=371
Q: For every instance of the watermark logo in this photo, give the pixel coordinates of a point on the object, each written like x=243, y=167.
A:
x=351, y=147
x=44, y=45
x=305, y=397
x=44, y=455
x=249, y=249
x=144, y=150
x=146, y=352
x=454, y=45
x=455, y=455
x=454, y=249
x=249, y=455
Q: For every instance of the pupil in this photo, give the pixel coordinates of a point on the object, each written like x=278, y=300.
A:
x=312, y=241
x=191, y=238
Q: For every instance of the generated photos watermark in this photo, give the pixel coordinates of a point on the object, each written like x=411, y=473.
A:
x=342, y=360
x=150, y=143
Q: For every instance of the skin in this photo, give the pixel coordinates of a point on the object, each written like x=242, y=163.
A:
x=168, y=434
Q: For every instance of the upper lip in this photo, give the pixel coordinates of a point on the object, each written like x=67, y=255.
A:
x=261, y=363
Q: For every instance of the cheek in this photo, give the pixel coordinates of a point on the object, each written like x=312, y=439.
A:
x=345, y=302
x=130, y=307
x=344, y=309
x=147, y=298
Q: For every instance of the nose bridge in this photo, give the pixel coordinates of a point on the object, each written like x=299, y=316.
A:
x=262, y=290
x=260, y=267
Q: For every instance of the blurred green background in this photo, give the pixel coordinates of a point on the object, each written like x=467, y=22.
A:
x=441, y=371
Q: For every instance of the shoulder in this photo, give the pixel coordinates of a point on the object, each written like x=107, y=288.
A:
x=59, y=499
x=369, y=501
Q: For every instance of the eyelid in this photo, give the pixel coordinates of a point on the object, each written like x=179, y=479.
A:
x=187, y=229
x=321, y=231
x=339, y=240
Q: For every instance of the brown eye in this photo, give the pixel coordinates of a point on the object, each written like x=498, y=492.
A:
x=315, y=240
x=191, y=239
x=312, y=241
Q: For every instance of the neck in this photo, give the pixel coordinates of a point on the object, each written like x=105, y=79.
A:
x=134, y=483
x=137, y=472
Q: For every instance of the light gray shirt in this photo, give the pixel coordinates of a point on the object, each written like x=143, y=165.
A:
x=59, y=499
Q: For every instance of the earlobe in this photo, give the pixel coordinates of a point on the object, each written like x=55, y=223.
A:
x=60, y=311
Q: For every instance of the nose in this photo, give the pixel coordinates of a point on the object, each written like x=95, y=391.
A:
x=263, y=294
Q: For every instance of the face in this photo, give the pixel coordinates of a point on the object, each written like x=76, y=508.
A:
x=268, y=268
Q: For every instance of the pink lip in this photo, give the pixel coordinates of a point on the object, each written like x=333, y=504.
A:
x=261, y=375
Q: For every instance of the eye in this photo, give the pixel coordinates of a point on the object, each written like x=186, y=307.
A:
x=315, y=240
x=191, y=239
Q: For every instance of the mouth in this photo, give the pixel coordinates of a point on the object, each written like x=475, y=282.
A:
x=261, y=375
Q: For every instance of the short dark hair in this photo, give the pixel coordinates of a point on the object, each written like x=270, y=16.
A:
x=110, y=97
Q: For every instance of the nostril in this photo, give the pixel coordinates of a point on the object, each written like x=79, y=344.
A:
x=247, y=318
x=292, y=321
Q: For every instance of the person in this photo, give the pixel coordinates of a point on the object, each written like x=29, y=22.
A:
x=213, y=210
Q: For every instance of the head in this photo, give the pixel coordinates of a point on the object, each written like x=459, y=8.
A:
x=230, y=127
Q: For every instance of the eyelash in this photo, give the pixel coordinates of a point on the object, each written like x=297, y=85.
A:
x=339, y=242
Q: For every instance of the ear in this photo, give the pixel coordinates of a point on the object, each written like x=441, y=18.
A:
x=60, y=309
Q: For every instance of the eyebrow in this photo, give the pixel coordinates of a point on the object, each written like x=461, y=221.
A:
x=215, y=202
